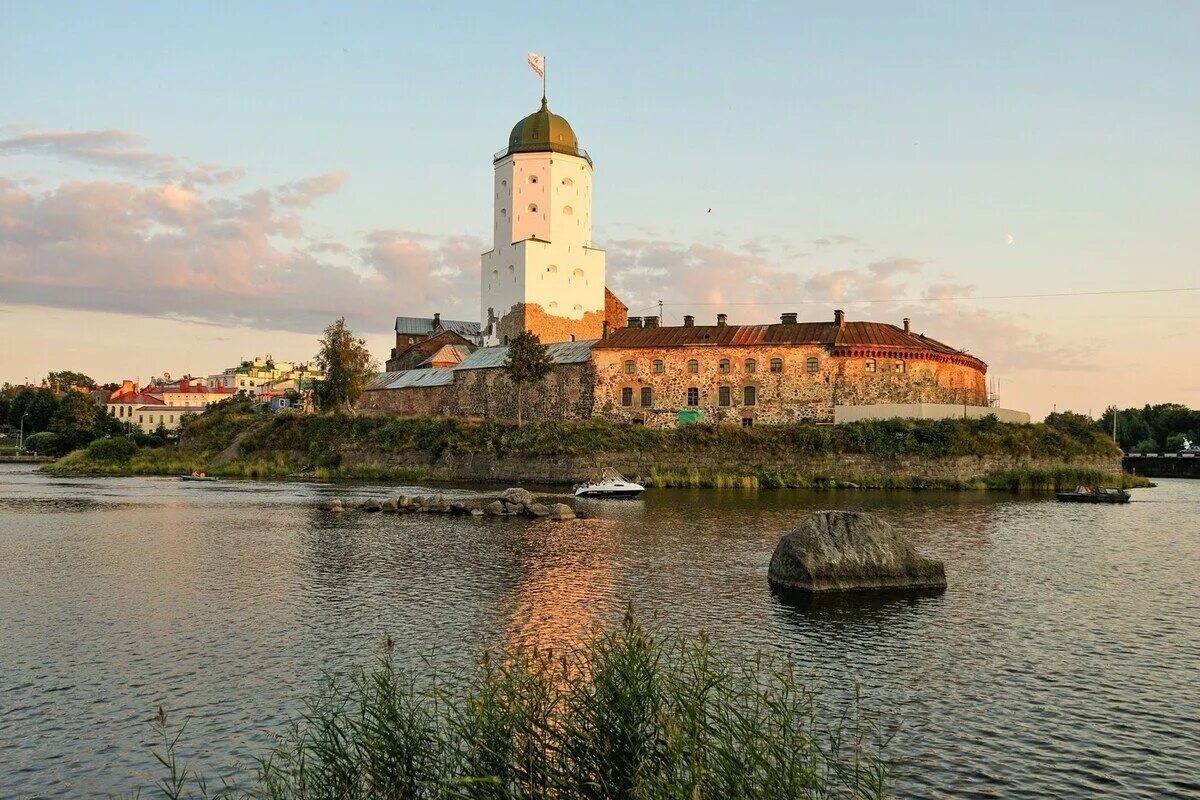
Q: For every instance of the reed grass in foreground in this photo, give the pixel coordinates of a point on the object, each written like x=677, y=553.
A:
x=627, y=715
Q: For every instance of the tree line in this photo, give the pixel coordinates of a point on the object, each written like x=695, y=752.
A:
x=1158, y=428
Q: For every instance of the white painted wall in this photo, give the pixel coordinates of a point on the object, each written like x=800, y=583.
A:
x=542, y=235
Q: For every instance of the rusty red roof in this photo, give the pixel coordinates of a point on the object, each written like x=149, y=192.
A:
x=875, y=335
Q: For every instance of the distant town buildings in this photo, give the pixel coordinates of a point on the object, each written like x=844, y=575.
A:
x=262, y=377
x=163, y=402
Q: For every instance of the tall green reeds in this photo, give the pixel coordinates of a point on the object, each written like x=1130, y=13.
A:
x=626, y=715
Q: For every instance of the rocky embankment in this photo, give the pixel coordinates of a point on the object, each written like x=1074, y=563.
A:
x=514, y=502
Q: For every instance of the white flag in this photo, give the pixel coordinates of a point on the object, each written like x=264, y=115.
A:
x=538, y=63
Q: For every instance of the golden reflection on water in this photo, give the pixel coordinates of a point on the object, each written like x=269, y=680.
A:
x=567, y=580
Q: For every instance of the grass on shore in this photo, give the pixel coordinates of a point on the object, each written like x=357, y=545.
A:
x=625, y=715
x=1015, y=480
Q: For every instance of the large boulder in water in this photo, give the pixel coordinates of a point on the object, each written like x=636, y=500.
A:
x=833, y=551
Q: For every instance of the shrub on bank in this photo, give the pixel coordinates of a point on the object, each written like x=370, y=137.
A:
x=626, y=715
x=115, y=448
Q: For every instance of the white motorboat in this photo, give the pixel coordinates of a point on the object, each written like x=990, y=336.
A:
x=611, y=484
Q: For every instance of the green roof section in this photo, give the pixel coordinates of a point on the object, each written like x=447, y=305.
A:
x=543, y=132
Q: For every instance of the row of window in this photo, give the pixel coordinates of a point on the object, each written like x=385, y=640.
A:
x=724, y=396
x=812, y=365
x=533, y=209
x=534, y=179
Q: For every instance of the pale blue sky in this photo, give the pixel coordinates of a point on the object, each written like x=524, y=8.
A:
x=928, y=132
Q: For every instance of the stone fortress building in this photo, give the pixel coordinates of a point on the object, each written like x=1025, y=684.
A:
x=544, y=275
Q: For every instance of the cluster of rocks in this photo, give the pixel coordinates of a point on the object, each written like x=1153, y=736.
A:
x=511, y=503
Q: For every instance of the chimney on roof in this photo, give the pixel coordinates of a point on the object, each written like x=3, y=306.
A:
x=839, y=317
x=604, y=329
x=184, y=385
x=437, y=319
x=688, y=321
x=906, y=325
x=722, y=320
x=635, y=322
x=650, y=322
x=788, y=318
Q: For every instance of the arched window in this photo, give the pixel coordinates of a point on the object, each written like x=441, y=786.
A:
x=568, y=182
x=578, y=273
x=578, y=307
x=693, y=366
x=495, y=273
x=503, y=183
x=533, y=178
x=751, y=365
x=554, y=304
x=749, y=396
x=552, y=268
x=658, y=365
x=870, y=365
x=900, y=366
x=724, y=365
x=630, y=367
x=568, y=211
x=533, y=208
x=776, y=365
x=504, y=212
x=813, y=365
x=512, y=268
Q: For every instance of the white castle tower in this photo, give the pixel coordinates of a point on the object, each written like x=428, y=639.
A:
x=542, y=273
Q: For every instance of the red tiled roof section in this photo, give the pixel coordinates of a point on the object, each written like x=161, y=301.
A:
x=867, y=335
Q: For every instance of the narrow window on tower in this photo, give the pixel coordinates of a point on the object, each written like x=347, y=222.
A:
x=533, y=208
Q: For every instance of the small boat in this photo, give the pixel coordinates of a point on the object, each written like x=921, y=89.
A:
x=197, y=478
x=611, y=484
x=1094, y=494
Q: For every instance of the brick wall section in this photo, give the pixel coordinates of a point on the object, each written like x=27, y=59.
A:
x=787, y=396
x=549, y=327
x=566, y=393
x=616, y=313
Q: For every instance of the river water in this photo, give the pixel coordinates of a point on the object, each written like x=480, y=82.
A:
x=1063, y=661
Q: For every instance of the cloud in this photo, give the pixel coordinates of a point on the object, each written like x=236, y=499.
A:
x=829, y=240
x=170, y=250
x=301, y=194
x=116, y=149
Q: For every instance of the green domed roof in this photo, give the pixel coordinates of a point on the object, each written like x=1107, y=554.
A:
x=543, y=132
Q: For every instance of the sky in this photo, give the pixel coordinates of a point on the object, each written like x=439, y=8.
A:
x=186, y=185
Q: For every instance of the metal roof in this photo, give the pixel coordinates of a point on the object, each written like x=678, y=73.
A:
x=850, y=334
x=448, y=352
x=423, y=326
x=559, y=353
x=411, y=379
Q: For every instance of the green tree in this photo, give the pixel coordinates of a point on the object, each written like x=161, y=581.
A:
x=347, y=364
x=44, y=443
x=1147, y=446
x=74, y=422
x=1175, y=442
x=527, y=362
x=36, y=406
x=68, y=378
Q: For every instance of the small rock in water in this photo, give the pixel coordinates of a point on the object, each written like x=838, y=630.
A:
x=847, y=550
x=495, y=508
x=390, y=505
x=561, y=512
x=518, y=497
x=476, y=512
x=332, y=505
x=539, y=510
x=372, y=504
x=404, y=501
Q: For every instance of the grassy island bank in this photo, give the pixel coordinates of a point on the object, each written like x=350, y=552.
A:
x=624, y=715
x=234, y=440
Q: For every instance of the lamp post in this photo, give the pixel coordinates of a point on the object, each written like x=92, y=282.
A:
x=21, y=434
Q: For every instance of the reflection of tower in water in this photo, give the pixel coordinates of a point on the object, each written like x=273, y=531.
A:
x=566, y=589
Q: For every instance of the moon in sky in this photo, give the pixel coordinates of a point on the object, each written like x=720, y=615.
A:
x=1008, y=238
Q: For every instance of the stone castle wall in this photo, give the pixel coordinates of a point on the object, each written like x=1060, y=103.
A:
x=566, y=393
x=789, y=395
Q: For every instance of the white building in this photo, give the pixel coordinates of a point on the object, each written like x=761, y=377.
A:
x=542, y=273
